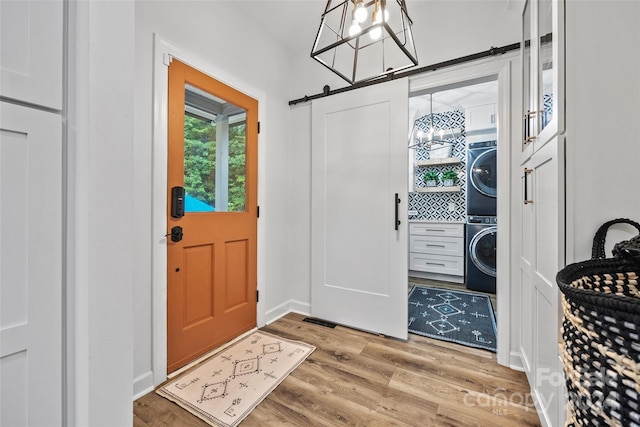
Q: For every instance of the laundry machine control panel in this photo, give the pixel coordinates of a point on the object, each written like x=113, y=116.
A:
x=476, y=219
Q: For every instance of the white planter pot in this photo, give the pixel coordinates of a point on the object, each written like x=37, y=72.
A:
x=431, y=183
x=447, y=182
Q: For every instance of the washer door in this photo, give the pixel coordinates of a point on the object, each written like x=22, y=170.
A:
x=482, y=250
x=484, y=174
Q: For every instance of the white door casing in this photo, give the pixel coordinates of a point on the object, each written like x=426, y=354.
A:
x=359, y=163
x=30, y=267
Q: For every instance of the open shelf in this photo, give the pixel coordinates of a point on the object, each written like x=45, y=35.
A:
x=451, y=189
x=437, y=162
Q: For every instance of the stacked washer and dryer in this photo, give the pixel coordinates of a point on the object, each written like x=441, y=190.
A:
x=481, y=228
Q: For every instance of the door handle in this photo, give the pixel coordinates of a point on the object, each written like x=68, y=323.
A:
x=397, y=221
x=176, y=233
x=527, y=172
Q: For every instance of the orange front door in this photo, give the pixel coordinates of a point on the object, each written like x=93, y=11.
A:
x=211, y=289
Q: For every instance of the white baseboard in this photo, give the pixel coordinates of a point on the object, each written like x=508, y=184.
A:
x=515, y=361
x=291, y=306
x=142, y=384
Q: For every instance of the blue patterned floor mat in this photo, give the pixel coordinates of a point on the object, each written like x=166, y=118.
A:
x=462, y=317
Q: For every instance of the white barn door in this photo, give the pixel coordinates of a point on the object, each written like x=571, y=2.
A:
x=30, y=267
x=359, y=165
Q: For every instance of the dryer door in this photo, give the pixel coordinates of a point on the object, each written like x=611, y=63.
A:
x=483, y=173
x=482, y=250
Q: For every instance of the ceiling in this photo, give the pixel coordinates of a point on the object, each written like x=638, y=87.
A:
x=292, y=23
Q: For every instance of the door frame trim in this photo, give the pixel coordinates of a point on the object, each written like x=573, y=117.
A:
x=501, y=69
x=164, y=50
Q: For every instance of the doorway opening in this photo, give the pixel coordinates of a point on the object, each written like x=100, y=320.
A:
x=453, y=187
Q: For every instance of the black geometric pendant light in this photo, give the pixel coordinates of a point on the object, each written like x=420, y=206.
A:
x=361, y=40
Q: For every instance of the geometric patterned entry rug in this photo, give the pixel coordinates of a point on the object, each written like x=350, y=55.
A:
x=223, y=390
x=458, y=316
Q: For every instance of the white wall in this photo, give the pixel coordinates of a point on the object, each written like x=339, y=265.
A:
x=603, y=130
x=217, y=33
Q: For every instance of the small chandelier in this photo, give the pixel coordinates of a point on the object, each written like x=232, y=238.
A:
x=361, y=40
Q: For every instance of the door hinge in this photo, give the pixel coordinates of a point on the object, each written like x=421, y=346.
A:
x=258, y=211
x=258, y=127
x=257, y=296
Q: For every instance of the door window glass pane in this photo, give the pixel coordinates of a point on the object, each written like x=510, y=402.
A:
x=526, y=69
x=545, y=32
x=215, y=143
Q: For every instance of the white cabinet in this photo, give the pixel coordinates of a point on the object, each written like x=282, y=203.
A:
x=31, y=51
x=542, y=233
x=542, y=48
x=480, y=118
x=31, y=179
x=541, y=256
x=31, y=259
x=436, y=250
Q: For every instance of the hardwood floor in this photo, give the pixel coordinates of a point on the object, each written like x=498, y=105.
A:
x=354, y=378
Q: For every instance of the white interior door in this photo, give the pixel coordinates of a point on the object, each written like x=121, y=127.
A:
x=30, y=267
x=359, y=164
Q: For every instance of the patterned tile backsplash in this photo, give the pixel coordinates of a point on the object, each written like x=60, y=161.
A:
x=436, y=206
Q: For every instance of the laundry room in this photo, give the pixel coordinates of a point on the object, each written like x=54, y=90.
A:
x=452, y=208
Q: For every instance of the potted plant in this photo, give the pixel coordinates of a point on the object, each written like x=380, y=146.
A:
x=430, y=178
x=449, y=177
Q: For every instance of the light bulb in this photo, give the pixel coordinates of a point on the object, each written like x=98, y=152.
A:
x=377, y=17
x=375, y=33
x=386, y=15
x=354, y=29
x=360, y=13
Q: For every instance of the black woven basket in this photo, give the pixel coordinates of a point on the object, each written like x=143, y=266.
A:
x=600, y=331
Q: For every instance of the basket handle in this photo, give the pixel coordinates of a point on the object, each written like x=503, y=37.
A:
x=597, y=251
x=629, y=249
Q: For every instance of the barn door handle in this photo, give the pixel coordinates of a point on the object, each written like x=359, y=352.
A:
x=397, y=221
x=527, y=201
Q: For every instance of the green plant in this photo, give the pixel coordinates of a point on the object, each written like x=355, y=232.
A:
x=430, y=176
x=450, y=175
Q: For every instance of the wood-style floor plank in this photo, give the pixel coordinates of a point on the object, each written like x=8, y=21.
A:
x=364, y=380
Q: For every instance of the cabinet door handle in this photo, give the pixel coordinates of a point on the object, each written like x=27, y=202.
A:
x=431, y=229
x=397, y=221
x=435, y=263
x=434, y=246
x=527, y=127
x=527, y=172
